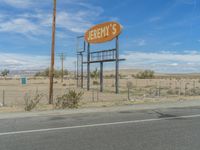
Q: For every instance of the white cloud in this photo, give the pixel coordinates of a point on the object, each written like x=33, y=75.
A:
x=154, y=19
x=188, y=2
x=18, y=3
x=174, y=64
x=139, y=42
x=20, y=25
x=176, y=43
x=163, y=62
x=14, y=61
x=33, y=23
x=75, y=22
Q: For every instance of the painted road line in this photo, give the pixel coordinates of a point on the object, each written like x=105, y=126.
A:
x=97, y=125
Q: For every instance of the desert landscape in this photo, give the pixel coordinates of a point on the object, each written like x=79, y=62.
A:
x=159, y=88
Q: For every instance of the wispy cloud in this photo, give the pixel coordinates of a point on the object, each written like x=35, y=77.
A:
x=163, y=61
x=31, y=23
x=14, y=61
x=78, y=21
x=189, y=2
x=22, y=26
x=167, y=62
x=19, y=3
x=154, y=19
x=140, y=42
x=74, y=22
x=176, y=43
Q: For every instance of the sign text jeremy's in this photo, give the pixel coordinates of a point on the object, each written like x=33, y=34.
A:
x=103, y=32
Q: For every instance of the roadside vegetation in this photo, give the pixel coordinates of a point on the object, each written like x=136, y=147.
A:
x=5, y=73
x=95, y=75
x=146, y=74
x=57, y=73
x=32, y=101
x=70, y=99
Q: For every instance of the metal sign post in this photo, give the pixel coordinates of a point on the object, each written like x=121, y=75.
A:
x=80, y=50
x=88, y=67
x=101, y=76
x=117, y=67
x=99, y=34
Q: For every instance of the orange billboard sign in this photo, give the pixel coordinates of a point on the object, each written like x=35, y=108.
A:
x=103, y=32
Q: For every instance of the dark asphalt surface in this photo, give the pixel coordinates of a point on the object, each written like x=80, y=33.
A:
x=164, y=134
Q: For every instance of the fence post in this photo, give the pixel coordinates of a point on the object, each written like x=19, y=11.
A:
x=93, y=95
x=185, y=88
x=97, y=95
x=159, y=88
x=3, y=97
x=128, y=93
x=179, y=88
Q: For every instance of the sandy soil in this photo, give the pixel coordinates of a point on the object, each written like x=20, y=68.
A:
x=142, y=91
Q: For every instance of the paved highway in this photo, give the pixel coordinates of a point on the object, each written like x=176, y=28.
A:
x=156, y=129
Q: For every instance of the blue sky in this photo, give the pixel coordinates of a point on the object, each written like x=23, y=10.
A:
x=162, y=35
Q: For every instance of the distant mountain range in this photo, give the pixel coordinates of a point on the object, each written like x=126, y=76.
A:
x=23, y=72
x=127, y=72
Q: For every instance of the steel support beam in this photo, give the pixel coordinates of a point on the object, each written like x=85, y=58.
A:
x=81, y=70
x=88, y=67
x=101, y=77
x=77, y=71
x=117, y=67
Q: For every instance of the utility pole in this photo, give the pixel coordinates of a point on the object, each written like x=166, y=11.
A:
x=51, y=72
x=62, y=58
x=75, y=69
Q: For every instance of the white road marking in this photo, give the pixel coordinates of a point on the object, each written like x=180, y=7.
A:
x=97, y=125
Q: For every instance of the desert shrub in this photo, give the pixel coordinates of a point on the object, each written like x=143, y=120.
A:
x=69, y=99
x=147, y=74
x=94, y=74
x=95, y=83
x=64, y=84
x=112, y=76
x=121, y=76
x=31, y=102
x=173, y=92
x=109, y=76
x=133, y=75
x=5, y=72
x=193, y=92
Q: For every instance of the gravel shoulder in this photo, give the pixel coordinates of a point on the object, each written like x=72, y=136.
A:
x=172, y=104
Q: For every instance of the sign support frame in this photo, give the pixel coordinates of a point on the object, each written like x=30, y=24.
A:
x=101, y=56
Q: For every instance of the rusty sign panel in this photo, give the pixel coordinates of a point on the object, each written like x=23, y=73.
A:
x=103, y=32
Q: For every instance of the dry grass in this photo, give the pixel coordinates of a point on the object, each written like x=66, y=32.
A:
x=143, y=91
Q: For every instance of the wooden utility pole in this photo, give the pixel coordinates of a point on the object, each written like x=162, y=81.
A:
x=62, y=57
x=51, y=72
x=75, y=64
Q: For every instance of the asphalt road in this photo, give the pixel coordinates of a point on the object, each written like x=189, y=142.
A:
x=159, y=129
